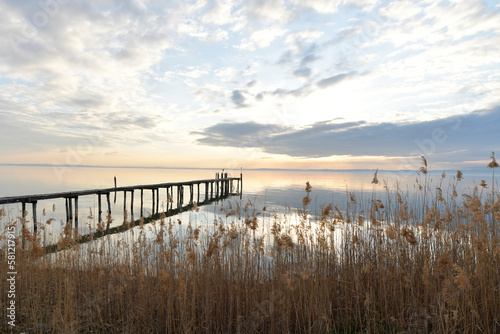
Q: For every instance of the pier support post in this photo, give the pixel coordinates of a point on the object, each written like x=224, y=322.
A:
x=169, y=197
x=66, y=204
x=132, y=204
x=115, y=191
x=153, y=211
x=99, y=214
x=142, y=202
x=157, y=200
x=108, y=218
x=70, y=210
x=23, y=212
x=76, y=212
x=180, y=189
x=124, y=206
x=34, y=217
x=191, y=195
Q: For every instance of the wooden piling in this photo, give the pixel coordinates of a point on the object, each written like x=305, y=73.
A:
x=34, y=217
x=66, y=204
x=108, y=217
x=99, y=207
x=167, y=189
x=180, y=190
x=109, y=203
x=157, y=200
x=198, y=193
x=142, y=202
x=76, y=212
x=191, y=195
x=153, y=209
x=70, y=210
x=182, y=195
x=115, y=192
x=124, y=206
x=241, y=184
x=132, y=204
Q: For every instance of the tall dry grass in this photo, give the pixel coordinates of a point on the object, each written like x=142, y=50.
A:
x=396, y=263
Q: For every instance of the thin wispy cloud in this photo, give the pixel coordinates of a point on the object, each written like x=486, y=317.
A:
x=333, y=80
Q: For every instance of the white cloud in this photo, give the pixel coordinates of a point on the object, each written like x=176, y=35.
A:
x=192, y=28
x=261, y=38
x=364, y=4
x=226, y=72
x=194, y=73
x=220, y=13
x=275, y=11
x=435, y=23
x=402, y=10
x=320, y=6
x=218, y=35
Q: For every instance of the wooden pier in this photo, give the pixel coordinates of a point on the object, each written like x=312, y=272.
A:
x=220, y=187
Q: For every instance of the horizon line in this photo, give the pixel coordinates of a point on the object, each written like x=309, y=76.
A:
x=212, y=168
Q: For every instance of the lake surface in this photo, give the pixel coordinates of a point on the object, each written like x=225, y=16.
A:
x=279, y=191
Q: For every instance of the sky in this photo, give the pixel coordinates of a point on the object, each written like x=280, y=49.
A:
x=308, y=84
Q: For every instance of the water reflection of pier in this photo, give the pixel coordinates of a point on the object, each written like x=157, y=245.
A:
x=220, y=187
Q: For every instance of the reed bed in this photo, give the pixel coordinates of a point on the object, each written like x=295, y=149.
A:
x=422, y=263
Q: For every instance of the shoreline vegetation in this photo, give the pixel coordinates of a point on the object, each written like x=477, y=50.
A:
x=425, y=263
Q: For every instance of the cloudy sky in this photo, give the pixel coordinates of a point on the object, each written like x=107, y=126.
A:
x=252, y=84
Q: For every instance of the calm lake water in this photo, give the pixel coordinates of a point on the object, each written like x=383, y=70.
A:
x=279, y=191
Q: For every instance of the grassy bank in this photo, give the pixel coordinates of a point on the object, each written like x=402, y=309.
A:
x=396, y=263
